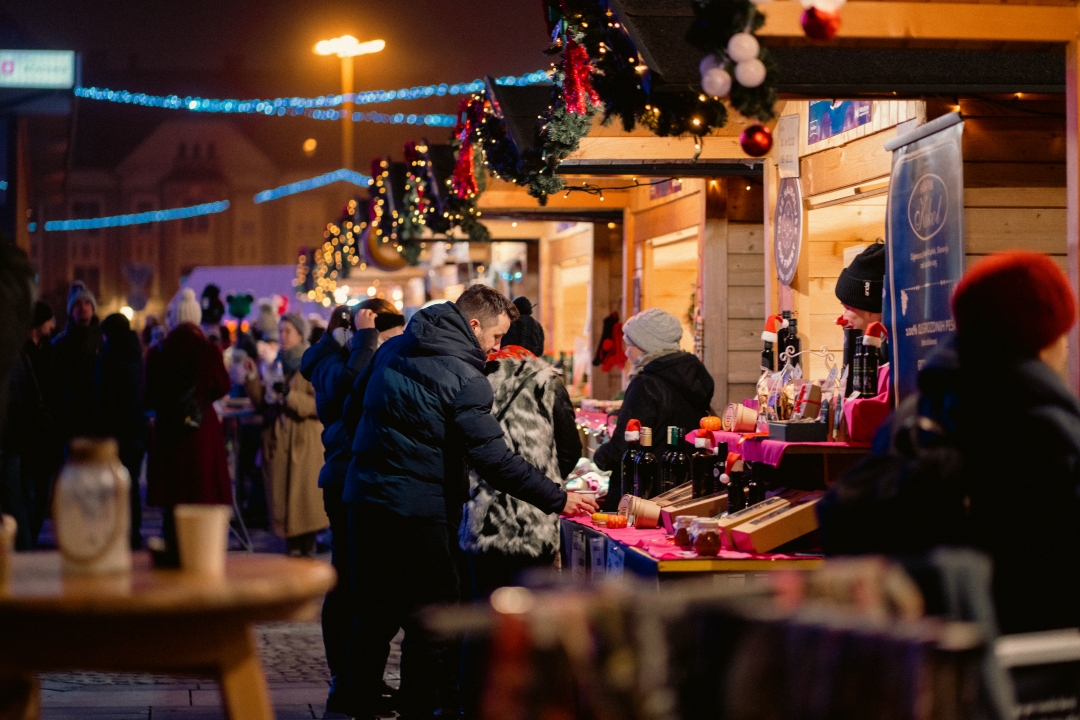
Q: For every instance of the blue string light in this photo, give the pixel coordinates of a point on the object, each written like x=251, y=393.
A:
x=137, y=218
x=310, y=106
x=311, y=183
x=3, y=185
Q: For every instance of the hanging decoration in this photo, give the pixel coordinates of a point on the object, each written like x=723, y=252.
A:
x=383, y=248
x=470, y=115
x=579, y=96
x=320, y=270
x=736, y=66
x=756, y=140
x=820, y=24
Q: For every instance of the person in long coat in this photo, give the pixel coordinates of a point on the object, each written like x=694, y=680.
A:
x=187, y=461
x=292, y=441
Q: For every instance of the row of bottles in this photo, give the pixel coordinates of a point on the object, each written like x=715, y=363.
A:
x=646, y=476
x=744, y=490
x=865, y=361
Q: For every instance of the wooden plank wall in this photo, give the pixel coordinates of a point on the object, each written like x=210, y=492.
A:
x=1014, y=175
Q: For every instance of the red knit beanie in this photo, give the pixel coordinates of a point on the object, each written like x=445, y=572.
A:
x=1020, y=302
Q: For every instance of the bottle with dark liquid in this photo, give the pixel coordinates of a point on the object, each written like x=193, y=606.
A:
x=629, y=458
x=736, y=494
x=646, y=468
x=872, y=341
x=755, y=491
x=702, y=463
x=792, y=344
x=665, y=461
x=857, y=361
x=679, y=466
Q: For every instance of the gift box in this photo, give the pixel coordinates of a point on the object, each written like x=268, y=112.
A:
x=775, y=528
x=799, y=431
x=746, y=514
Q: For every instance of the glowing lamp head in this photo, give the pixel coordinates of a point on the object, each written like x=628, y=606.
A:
x=348, y=46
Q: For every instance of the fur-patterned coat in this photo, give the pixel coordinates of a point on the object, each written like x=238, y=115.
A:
x=534, y=410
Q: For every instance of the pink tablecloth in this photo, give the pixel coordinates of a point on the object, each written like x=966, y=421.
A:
x=658, y=544
x=770, y=452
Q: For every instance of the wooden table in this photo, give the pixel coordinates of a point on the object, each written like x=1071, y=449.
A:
x=151, y=621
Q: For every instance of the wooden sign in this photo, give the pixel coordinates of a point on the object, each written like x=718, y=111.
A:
x=787, y=229
x=787, y=146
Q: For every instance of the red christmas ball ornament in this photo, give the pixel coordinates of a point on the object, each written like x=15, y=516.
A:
x=820, y=24
x=756, y=140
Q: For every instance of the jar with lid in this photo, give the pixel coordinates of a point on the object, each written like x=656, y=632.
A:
x=682, y=531
x=707, y=539
x=91, y=510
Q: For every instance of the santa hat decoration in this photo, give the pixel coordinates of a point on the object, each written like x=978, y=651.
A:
x=703, y=438
x=875, y=334
x=633, y=431
x=773, y=323
x=734, y=463
x=282, y=304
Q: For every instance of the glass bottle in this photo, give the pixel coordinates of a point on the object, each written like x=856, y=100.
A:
x=92, y=512
x=678, y=468
x=736, y=493
x=646, y=468
x=792, y=344
x=626, y=478
x=755, y=491
x=870, y=366
x=702, y=463
x=857, y=376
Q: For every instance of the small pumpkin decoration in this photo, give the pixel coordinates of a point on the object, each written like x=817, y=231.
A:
x=711, y=423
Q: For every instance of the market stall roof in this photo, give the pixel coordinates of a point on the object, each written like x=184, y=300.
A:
x=659, y=27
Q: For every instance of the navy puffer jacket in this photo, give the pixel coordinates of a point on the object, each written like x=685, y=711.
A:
x=426, y=417
x=332, y=370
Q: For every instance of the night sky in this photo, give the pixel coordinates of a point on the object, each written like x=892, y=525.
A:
x=243, y=49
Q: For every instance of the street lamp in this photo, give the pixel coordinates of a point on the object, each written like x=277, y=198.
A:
x=347, y=47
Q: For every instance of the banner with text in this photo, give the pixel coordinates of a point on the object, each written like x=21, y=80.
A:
x=925, y=240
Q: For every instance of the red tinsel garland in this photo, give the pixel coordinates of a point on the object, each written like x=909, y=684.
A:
x=578, y=91
x=463, y=181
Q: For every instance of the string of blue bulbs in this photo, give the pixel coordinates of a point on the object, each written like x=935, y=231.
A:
x=319, y=108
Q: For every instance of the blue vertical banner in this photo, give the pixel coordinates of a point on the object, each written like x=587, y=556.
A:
x=925, y=241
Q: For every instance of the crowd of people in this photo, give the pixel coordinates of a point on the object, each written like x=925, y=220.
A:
x=434, y=451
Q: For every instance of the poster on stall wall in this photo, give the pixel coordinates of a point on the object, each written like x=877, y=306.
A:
x=787, y=229
x=925, y=242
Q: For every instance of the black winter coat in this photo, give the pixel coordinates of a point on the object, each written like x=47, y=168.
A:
x=673, y=390
x=426, y=417
x=16, y=304
x=332, y=371
x=118, y=393
x=75, y=359
x=970, y=484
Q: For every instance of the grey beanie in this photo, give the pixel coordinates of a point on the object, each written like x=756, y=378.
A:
x=79, y=291
x=653, y=329
x=187, y=309
x=297, y=321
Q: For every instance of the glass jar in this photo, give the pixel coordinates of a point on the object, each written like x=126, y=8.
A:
x=91, y=510
x=682, y=531
x=707, y=539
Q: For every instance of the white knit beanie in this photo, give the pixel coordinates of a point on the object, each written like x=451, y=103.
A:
x=187, y=308
x=653, y=329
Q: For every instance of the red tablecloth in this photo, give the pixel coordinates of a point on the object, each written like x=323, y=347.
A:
x=770, y=452
x=661, y=546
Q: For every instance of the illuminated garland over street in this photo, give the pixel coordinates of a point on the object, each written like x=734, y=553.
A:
x=319, y=270
x=315, y=107
x=137, y=218
x=311, y=183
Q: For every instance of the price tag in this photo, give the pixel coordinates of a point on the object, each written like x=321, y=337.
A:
x=598, y=555
x=615, y=557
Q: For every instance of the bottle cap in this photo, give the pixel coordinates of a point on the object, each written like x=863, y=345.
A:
x=708, y=524
x=646, y=436
x=684, y=521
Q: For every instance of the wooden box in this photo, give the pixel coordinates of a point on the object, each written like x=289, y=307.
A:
x=730, y=521
x=776, y=528
x=707, y=506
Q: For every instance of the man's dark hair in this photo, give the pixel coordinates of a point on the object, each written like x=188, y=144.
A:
x=480, y=302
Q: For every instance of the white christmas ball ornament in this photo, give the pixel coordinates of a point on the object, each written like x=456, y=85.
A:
x=743, y=46
x=708, y=63
x=716, y=82
x=750, y=73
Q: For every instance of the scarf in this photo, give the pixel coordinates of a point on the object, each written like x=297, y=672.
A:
x=646, y=358
x=290, y=359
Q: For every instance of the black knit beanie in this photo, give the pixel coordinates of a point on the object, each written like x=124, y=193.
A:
x=860, y=284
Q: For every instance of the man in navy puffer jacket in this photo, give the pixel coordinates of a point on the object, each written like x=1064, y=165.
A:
x=425, y=419
x=332, y=365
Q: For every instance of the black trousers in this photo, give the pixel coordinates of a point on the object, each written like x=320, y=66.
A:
x=337, y=610
x=131, y=459
x=399, y=567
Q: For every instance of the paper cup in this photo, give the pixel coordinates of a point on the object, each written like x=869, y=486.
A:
x=202, y=534
x=646, y=513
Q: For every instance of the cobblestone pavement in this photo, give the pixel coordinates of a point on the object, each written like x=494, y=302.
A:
x=292, y=655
